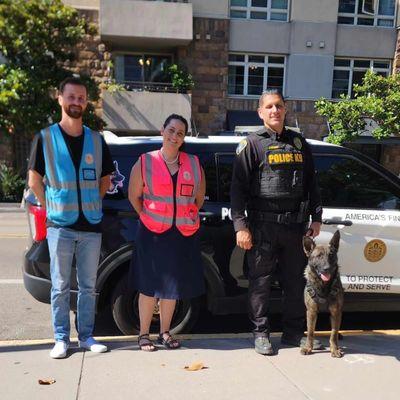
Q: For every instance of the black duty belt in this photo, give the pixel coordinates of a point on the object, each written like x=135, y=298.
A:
x=280, y=218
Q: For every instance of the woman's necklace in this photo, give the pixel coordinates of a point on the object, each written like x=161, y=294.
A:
x=169, y=162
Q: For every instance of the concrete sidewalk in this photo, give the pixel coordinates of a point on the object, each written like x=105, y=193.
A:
x=370, y=369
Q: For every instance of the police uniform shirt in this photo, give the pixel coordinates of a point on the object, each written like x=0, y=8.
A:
x=250, y=156
x=75, y=147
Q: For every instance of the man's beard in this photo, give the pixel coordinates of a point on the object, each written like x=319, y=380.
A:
x=74, y=112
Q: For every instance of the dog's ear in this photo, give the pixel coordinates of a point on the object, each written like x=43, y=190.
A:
x=335, y=240
x=308, y=245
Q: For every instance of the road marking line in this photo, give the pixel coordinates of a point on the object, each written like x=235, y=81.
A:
x=11, y=281
x=13, y=235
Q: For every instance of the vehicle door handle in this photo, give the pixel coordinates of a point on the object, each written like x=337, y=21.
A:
x=209, y=217
x=329, y=221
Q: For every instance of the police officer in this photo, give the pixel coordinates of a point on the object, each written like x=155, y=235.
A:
x=273, y=193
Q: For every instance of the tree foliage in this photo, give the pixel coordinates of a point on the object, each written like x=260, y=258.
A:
x=37, y=37
x=377, y=100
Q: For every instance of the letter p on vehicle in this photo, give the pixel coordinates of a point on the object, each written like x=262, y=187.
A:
x=225, y=212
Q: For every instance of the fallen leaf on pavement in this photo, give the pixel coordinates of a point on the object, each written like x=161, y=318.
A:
x=196, y=366
x=49, y=381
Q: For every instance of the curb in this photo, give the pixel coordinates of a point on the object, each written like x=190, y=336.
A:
x=116, y=339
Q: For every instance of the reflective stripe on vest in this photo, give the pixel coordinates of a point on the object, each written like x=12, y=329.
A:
x=62, y=200
x=158, y=197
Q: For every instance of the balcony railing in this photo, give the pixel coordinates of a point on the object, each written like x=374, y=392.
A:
x=136, y=24
x=142, y=111
x=140, y=86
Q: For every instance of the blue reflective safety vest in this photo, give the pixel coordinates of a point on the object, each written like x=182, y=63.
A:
x=66, y=191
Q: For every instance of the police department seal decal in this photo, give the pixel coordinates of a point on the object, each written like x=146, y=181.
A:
x=375, y=250
x=187, y=176
x=242, y=144
x=297, y=143
x=89, y=158
x=117, y=180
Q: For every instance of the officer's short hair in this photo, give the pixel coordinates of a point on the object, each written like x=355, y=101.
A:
x=72, y=80
x=270, y=92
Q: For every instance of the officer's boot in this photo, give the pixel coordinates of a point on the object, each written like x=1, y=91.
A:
x=262, y=345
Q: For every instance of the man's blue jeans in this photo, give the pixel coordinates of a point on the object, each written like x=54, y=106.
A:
x=63, y=244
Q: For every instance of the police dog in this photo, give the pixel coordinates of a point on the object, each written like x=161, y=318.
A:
x=323, y=289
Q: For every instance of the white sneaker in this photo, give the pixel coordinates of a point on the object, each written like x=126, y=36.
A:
x=59, y=350
x=93, y=345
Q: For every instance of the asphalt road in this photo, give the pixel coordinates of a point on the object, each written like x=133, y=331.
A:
x=22, y=317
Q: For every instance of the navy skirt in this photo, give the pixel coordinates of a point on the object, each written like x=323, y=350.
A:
x=167, y=265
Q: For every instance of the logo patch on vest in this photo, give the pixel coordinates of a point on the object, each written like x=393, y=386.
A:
x=187, y=190
x=187, y=176
x=297, y=143
x=89, y=158
x=284, y=158
x=89, y=174
x=241, y=146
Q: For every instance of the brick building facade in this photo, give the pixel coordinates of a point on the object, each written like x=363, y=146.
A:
x=206, y=55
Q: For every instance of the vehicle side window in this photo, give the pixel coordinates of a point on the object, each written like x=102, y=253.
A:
x=348, y=183
x=224, y=167
x=207, y=161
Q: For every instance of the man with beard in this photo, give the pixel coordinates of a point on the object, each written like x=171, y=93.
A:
x=69, y=173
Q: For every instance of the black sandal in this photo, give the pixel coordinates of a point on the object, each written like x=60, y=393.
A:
x=169, y=343
x=144, y=340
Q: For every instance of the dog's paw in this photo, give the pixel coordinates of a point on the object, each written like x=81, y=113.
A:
x=306, y=351
x=337, y=353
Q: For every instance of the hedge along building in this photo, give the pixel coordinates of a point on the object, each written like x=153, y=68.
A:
x=234, y=49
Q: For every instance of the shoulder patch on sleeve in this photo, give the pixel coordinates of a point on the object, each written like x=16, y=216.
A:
x=297, y=143
x=241, y=146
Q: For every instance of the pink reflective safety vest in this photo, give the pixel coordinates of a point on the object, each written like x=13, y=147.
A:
x=159, y=200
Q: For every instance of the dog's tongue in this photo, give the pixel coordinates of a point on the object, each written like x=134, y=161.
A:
x=325, y=277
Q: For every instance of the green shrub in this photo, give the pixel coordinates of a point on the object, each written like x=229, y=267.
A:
x=181, y=80
x=11, y=184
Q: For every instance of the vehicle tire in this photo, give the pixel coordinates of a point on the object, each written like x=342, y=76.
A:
x=125, y=310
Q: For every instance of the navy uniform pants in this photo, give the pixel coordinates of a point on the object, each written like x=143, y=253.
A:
x=277, y=246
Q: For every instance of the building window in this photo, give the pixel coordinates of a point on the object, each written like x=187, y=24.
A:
x=347, y=72
x=270, y=10
x=250, y=75
x=143, y=71
x=367, y=12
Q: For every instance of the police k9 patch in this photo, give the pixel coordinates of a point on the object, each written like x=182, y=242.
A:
x=284, y=157
x=89, y=174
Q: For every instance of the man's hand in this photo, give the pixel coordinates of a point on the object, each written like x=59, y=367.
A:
x=314, y=229
x=35, y=183
x=244, y=239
